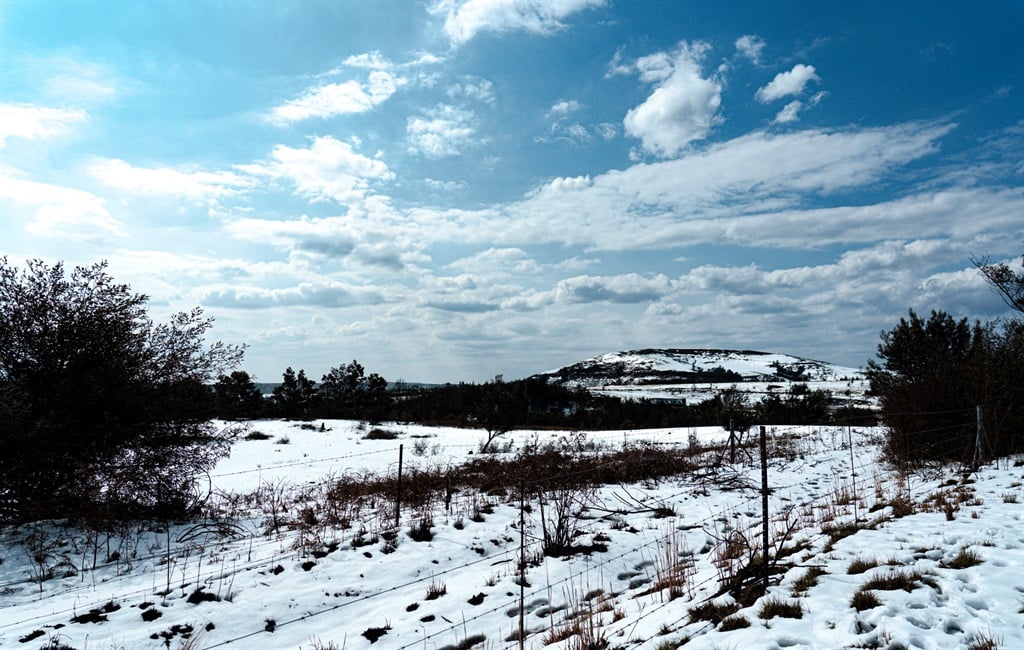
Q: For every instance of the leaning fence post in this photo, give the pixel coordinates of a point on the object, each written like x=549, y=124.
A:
x=732, y=443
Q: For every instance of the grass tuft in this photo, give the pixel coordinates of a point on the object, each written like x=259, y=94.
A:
x=712, y=612
x=808, y=580
x=965, y=558
x=860, y=566
x=776, y=607
x=863, y=600
x=733, y=623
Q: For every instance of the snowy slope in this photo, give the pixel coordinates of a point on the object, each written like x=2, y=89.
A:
x=841, y=512
x=676, y=366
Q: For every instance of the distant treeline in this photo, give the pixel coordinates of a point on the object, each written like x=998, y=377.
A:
x=498, y=405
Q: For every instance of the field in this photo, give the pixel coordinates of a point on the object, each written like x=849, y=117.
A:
x=300, y=548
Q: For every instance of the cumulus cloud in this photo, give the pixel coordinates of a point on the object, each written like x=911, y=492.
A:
x=684, y=105
x=466, y=18
x=33, y=122
x=787, y=83
x=332, y=99
x=328, y=170
x=442, y=131
x=750, y=46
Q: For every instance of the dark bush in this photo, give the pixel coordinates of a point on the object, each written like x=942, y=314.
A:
x=101, y=409
x=933, y=375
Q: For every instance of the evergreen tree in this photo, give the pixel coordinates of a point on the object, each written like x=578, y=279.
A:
x=294, y=397
x=236, y=397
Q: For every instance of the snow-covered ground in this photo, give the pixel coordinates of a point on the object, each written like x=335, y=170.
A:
x=852, y=392
x=956, y=545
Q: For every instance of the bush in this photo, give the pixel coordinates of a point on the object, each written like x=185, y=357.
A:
x=933, y=373
x=100, y=407
x=381, y=434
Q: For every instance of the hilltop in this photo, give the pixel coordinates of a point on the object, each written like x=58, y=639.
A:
x=699, y=373
x=692, y=366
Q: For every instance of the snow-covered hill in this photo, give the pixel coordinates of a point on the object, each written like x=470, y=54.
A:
x=694, y=375
x=680, y=366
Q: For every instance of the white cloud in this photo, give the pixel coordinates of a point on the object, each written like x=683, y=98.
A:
x=787, y=83
x=321, y=293
x=751, y=190
x=563, y=107
x=195, y=185
x=444, y=186
x=683, y=106
x=466, y=18
x=442, y=131
x=328, y=169
x=751, y=47
x=628, y=288
x=33, y=122
x=61, y=212
x=482, y=90
x=607, y=130
x=790, y=112
x=369, y=60
x=329, y=100
x=497, y=261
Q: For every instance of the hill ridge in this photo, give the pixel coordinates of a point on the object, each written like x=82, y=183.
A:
x=646, y=366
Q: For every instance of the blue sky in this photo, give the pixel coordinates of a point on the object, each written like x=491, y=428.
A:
x=453, y=189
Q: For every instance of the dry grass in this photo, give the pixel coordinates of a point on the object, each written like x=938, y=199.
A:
x=712, y=612
x=965, y=558
x=860, y=566
x=808, y=580
x=863, y=600
x=776, y=607
x=894, y=580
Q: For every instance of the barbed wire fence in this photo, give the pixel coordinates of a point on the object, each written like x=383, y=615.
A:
x=266, y=560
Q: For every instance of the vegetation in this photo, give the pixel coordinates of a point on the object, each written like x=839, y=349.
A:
x=101, y=409
x=933, y=374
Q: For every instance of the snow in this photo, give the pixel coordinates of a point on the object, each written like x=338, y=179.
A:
x=339, y=592
x=751, y=364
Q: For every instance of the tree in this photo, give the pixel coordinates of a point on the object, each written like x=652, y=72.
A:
x=934, y=373
x=295, y=395
x=100, y=407
x=1007, y=282
x=236, y=397
x=497, y=410
x=348, y=392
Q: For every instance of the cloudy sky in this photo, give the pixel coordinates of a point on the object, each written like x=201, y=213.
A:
x=448, y=190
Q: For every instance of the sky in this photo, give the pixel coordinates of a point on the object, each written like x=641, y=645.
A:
x=448, y=190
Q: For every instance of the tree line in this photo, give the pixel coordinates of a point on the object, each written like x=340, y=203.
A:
x=498, y=405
